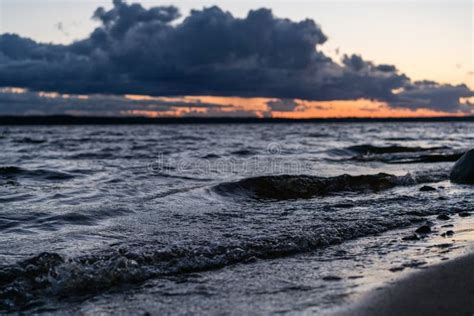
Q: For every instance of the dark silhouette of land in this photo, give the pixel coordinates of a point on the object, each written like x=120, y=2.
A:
x=95, y=120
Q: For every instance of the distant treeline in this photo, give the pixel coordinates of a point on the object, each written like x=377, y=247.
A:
x=95, y=120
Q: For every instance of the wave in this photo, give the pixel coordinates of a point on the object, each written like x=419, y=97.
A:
x=367, y=149
x=28, y=140
x=31, y=222
x=51, y=277
x=400, y=139
x=243, y=152
x=397, y=159
x=318, y=135
x=211, y=156
x=431, y=158
x=10, y=172
x=54, y=276
x=168, y=175
x=47, y=276
x=396, y=154
x=286, y=187
x=94, y=155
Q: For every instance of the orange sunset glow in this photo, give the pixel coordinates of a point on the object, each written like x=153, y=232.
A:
x=258, y=107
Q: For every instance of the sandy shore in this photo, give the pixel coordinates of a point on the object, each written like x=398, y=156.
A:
x=445, y=289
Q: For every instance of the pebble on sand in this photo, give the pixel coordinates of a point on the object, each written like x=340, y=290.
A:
x=449, y=233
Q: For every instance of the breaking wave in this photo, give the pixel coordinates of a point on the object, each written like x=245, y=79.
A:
x=371, y=149
x=50, y=276
x=396, y=154
x=287, y=187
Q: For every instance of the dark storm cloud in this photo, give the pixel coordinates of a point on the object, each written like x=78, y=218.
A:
x=145, y=51
x=13, y=101
x=439, y=97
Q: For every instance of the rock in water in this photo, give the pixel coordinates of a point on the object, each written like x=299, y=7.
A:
x=463, y=170
x=425, y=229
x=443, y=217
x=427, y=188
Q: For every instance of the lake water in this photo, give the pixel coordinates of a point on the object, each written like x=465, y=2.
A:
x=211, y=219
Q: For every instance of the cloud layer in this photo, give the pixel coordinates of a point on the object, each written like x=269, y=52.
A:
x=145, y=51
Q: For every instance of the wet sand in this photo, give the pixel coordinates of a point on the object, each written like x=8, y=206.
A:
x=444, y=289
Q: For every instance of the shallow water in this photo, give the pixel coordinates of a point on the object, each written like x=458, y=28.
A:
x=246, y=218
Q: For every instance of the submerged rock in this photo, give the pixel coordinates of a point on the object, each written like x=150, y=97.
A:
x=427, y=188
x=463, y=169
x=411, y=237
x=443, y=217
x=425, y=229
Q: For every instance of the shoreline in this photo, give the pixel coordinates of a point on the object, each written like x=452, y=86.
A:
x=446, y=288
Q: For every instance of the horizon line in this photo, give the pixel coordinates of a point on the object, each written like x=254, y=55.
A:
x=136, y=120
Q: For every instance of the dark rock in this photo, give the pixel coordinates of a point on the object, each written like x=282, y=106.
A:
x=425, y=229
x=448, y=225
x=464, y=214
x=443, y=246
x=396, y=269
x=463, y=170
x=443, y=217
x=449, y=233
x=411, y=237
x=427, y=188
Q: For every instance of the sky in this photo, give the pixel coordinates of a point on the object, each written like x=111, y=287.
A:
x=237, y=68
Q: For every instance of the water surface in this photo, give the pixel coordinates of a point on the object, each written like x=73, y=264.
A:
x=243, y=218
